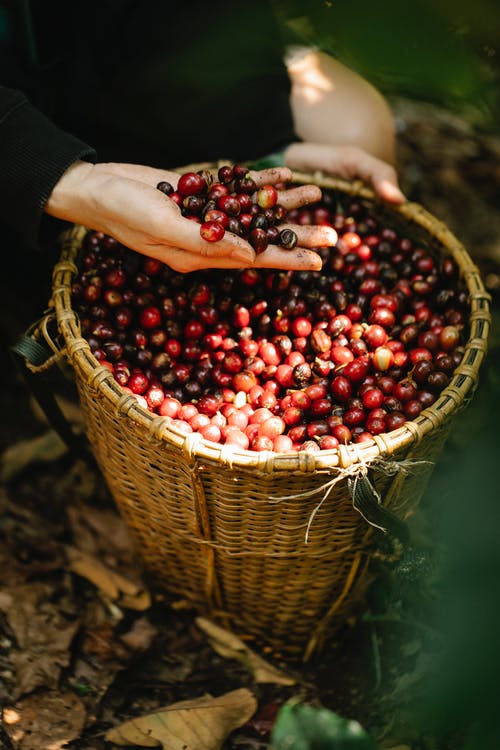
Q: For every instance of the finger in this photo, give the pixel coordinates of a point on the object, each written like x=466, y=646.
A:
x=159, y=219
x=299, y=196
x=375, y=172
x=270, y=176
x=184, y=262
x=388, y=189
x=314, y=235
x=382, y=177
x=298, y=259
x=184, y=233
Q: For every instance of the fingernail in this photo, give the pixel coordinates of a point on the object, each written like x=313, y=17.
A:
x=333, y=236
x=245, y=256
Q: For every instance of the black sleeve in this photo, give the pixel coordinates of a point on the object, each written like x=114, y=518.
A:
x=34, y=153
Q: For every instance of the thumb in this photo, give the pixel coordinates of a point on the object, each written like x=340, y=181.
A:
x=381, y=175
x=388, y=190
x=139, y=172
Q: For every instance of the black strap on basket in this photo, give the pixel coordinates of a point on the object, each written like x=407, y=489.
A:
x=35, y=358
x=366, y=500
x=410, y=564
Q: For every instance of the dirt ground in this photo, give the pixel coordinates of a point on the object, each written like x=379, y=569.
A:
x=86, y=644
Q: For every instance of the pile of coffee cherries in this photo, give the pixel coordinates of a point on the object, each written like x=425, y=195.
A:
x=275, y=360
x=229, y=204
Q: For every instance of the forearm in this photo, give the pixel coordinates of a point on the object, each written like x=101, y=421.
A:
x=34, y=154
x=333, y=105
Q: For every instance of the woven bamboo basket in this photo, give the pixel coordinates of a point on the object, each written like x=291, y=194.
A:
x=268, y=544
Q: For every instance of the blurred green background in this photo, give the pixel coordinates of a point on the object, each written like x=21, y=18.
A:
x=445, y=51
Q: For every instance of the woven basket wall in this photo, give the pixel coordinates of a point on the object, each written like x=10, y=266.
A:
x=226, y=528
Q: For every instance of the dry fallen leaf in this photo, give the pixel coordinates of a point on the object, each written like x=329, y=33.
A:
x=24, y=529
x=100, y=531
x=42, y=449
x=102, y=654
x=140, y=636
x=229, y=646
x=44, y=721
x=70, y=409
x=42, y=633
x=123, y=591
x=198, y=724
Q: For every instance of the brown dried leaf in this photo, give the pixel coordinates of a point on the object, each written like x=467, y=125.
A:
x=35, y=668
x=70, y=409
x=264, y=720
x=122, y=590
x=44, y=721
x=139, y=601
x=28, y=544
x=100, y=531
x=103, y=535
x=42, y=449
x=82, y=483
x=229, y=646
x=198, y=724
x=43, y=636
x=140, y=636
x=101, y=656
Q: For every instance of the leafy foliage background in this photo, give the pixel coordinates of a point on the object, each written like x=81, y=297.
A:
x=445, y=51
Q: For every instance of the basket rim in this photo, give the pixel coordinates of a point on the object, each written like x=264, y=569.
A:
x=451, y=399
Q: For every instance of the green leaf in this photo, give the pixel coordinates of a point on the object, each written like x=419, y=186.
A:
x=270, y=160
x=300, y=727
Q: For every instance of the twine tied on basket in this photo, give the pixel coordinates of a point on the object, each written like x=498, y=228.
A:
x=365, y=498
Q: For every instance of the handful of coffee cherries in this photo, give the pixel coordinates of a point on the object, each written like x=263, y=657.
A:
x=235, y=204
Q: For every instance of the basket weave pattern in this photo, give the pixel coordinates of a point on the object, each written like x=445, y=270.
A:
x=226, y=528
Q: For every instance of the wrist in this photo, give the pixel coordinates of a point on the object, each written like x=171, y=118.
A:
x=293, y=156
x=67, y=193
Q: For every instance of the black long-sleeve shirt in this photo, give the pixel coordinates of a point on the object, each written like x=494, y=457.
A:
x=34, y=153
x=146, y=81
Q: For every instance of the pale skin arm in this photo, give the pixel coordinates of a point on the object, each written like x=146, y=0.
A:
x=122, y=201
x=345, y=124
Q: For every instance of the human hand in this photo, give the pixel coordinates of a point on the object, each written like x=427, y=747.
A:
x=122, y=200
x=347, y=162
